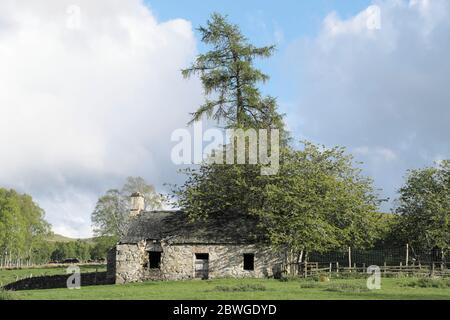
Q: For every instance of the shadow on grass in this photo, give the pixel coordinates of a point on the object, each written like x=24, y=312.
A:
x=56, y=282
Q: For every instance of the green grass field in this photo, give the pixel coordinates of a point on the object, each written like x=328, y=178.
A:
x=245, y=289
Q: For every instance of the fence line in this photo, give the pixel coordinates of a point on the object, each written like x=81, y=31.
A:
x=391, y=261
x=306, y=269
x=390, y=256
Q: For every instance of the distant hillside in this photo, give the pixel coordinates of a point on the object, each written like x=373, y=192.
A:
x=59, y=238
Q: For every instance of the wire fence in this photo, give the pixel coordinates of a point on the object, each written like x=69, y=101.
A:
x=389, y=261
x=384, y=256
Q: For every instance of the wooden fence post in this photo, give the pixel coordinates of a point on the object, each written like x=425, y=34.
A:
x=337, y=267
x=407, y=254
x=349, y=257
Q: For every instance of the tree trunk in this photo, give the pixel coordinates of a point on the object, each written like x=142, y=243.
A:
x=239, y=106
x=300, y=257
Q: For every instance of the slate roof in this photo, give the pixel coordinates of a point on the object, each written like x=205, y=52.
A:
x=175, y=227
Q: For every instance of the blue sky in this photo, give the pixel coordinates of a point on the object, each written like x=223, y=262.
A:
x=294, y=17
x=263, y=22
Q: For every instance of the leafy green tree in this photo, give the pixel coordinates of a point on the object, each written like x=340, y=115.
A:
x=111, y=214
x=69, y=249
x=37, y=229
x=387, y=235
x=424, y=206
x=101, y=247
x=42, y=252
x=82, y=250
x=212, y=190
x=153, y=200
x=22, y=226
x=229, y=77
x=78, y=249
x=57, y=254
x=62, y=251
x=12, y=228
x=318, y=202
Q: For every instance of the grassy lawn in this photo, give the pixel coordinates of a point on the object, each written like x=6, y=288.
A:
x=248, y=289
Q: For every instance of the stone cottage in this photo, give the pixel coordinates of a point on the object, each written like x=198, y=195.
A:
x=164, y=245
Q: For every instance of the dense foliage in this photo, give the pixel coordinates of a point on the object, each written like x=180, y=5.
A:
x=22, y=227
x=319, y=202
x=424, y=208
x=110, y=217
x=95, y=249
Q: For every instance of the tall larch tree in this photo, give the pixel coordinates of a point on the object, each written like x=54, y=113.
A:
x=229, y=77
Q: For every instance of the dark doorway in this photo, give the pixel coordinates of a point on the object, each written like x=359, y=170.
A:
x=202, y=266
x=249, y=261
x=154, y=260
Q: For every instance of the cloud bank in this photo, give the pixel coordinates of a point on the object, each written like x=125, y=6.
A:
x=89, y=95
x=382, y=93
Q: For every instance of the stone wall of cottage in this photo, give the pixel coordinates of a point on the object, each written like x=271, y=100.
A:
x=178, y=261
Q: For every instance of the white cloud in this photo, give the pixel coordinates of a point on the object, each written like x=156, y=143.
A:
x=378, y=153
x=82, y=108
x=366, y=22
x=382, y=93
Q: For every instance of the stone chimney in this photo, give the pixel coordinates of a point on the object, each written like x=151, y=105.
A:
x=137, y=204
